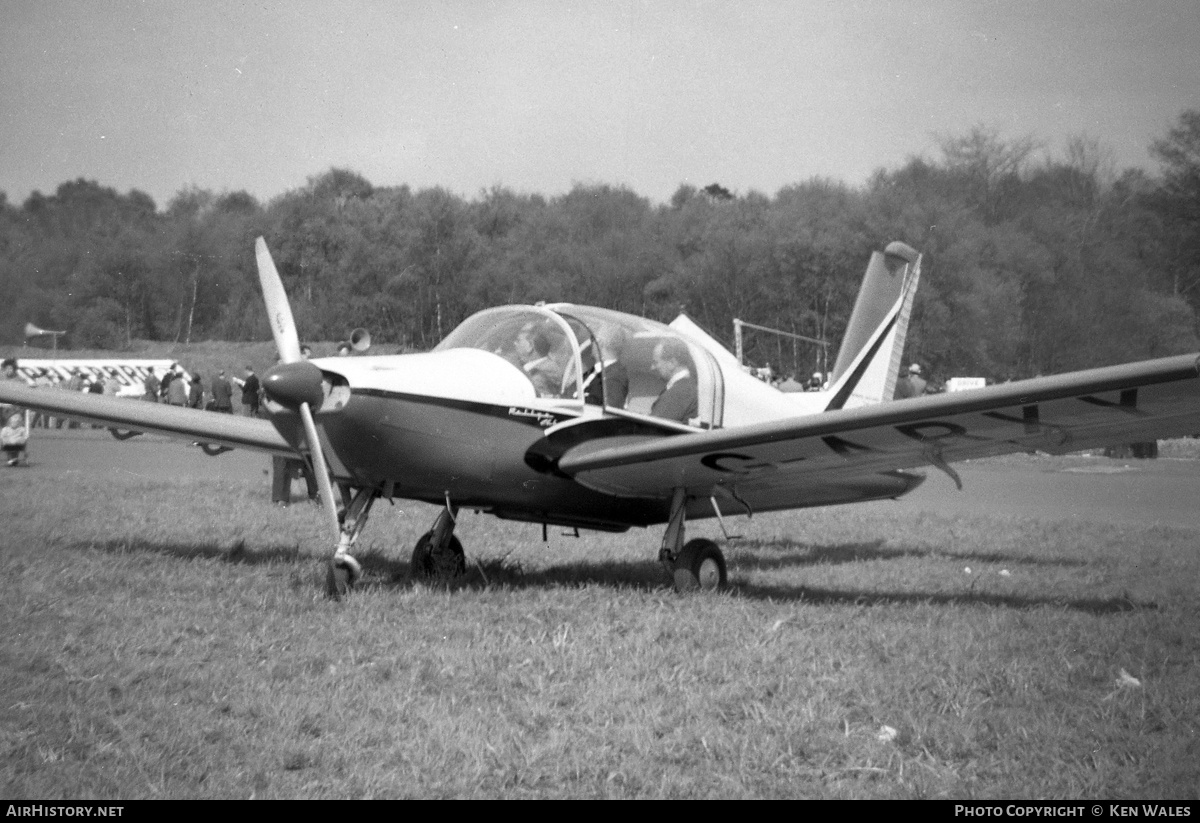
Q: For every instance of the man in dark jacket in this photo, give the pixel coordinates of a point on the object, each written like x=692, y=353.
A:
x=678, y=400
x=153, y=385
x=911, y=386
x=250, y=389
x=222, y=393
x=607, y=382
x=196, y=393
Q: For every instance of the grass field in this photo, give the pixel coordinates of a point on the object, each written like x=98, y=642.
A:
x=169, y=640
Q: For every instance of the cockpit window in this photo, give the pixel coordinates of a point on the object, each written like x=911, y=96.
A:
x=537, y=342
x=584, y=354
x=645, y=367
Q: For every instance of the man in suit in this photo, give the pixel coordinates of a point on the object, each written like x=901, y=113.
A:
x=678, y=400
x=606, y=382
x=153, y=385
x=222, y=393
x=250, y=388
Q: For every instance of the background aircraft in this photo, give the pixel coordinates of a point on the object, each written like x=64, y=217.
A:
x=129, y=374
x=588, y=418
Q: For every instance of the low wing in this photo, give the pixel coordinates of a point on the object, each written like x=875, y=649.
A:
x=173, y=421
x=1131, y=403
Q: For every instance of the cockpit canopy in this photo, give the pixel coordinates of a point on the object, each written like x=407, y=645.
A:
x=576, y=355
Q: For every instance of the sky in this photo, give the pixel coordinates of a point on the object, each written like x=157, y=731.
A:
x=537, y=97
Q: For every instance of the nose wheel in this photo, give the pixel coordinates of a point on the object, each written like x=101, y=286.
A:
x=340, y=577
x=343, y=571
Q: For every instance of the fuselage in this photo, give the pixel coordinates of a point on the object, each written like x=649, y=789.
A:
x=481, y=419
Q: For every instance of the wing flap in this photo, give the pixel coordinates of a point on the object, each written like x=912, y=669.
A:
x=1058, y=414
x=173, y=421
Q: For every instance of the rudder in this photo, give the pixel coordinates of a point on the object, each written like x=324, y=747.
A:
x=868, y=362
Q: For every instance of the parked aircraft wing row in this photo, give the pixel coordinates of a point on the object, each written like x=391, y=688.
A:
x=174, y=421
x=1140, y=401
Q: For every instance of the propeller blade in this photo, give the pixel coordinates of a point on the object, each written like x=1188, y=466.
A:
x=319, y=467
x=298, y=384
x=279, y=312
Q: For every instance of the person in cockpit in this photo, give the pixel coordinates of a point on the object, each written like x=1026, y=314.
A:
x=678, y=400
x=533, y=348
x=611, y=389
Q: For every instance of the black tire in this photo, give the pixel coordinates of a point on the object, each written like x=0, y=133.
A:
x=339, y=582
x=438, y=567
x=700, y=567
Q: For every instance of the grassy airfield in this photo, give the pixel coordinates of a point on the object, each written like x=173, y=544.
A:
x=168, y=639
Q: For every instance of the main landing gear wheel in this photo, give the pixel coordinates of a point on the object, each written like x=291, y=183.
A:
x=430, y=566
x=700, y=566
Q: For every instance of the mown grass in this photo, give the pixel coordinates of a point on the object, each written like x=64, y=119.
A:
x=170, y=640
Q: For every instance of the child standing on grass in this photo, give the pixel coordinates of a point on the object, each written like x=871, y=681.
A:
x=14, y=437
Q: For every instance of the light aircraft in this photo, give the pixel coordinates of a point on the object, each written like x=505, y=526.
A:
x=128, y=374
x=557, y=414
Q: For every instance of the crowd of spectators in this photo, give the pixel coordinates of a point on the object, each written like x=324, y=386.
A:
x=172, y=386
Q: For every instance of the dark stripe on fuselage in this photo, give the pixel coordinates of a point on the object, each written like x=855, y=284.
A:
x=527, y=414
x=430, y=447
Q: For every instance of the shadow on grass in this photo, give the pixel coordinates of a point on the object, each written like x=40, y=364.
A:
x=230, y=552
x=820, y=597
x=649, y=576
x=373, y=563
x=787, y=554
x=618, y=574
x=388, y=573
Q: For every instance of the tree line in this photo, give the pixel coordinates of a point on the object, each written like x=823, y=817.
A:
x=1032, y=265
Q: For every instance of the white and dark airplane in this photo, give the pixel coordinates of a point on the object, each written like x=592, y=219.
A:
x=587, y=418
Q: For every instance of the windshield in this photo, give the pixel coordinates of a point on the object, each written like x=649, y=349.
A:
x=605, y=358
x=647, y=367
x=537, y=342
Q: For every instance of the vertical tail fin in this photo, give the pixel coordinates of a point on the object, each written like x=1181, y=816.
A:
x=868, y=361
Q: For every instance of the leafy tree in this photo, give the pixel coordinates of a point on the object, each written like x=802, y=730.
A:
x=1029, y=267
x=718, y=192
x=443, y=255
x=1178, y=202
x=987, y=168
x=310, y=237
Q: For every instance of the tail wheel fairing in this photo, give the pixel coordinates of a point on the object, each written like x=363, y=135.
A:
x=431, y=565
